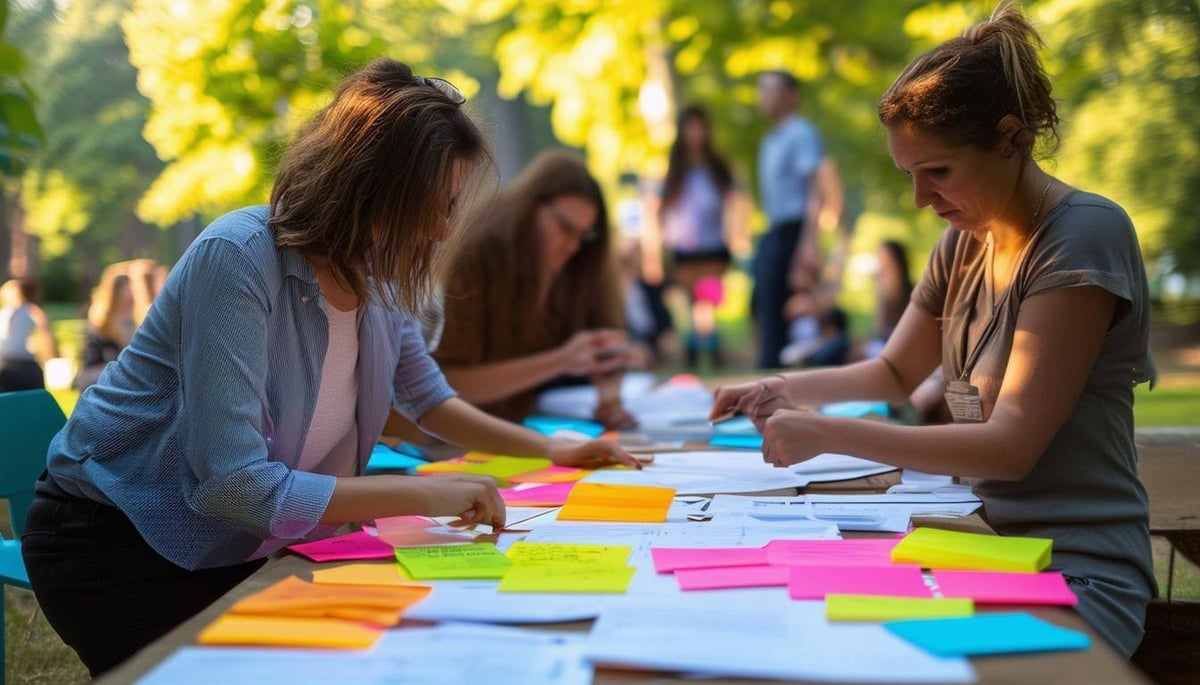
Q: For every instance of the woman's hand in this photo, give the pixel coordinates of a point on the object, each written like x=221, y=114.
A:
x=593, y=352
x=473, y=499
x=791, y=436
x=613, y=415
x=590, y=455
x=757, y=399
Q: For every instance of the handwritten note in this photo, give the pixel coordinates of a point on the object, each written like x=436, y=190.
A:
x=356, y=545
x=566, y=554
x=986, y=587
x=945, y=549
x=879, y=608
x=672, y=559
x=814, y=582
x=623, y=503
x=453, y=562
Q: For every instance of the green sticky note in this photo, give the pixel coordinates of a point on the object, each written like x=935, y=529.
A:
x=444, y=562
x=876, y=608
x=947, y=549
x=567, y=578
x=555, y=554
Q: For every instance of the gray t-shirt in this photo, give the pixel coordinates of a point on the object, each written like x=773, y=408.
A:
x=1084, y=491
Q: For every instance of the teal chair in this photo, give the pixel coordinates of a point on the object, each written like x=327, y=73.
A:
x=28, y=420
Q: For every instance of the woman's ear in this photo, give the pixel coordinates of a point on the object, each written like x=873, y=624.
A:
x=1014, y=135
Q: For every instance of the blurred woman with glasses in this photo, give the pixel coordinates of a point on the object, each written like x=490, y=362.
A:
x=534, y=296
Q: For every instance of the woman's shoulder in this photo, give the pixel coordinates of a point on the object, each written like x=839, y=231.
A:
x=1093, y=220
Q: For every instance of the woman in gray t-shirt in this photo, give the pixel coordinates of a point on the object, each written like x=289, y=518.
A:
x=1035, y=306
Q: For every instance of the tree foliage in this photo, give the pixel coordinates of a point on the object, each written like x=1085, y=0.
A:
x=20, y=132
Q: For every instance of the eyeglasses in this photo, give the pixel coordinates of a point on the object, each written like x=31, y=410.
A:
x=442, y=86
x=585, y=235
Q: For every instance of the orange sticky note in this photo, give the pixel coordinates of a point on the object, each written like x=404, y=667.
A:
x=271, y=631
x=292, y=594
x=610, y=502
x=384, y=618
x=388, y=575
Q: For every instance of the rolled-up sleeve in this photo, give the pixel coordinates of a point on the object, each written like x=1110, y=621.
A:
x=419, y=384
x=223, y=375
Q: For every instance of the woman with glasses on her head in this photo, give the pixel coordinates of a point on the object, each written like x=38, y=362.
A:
x=240, y=416
x=534, y=296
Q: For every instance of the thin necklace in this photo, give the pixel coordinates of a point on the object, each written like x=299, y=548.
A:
x=1041, y=201
x=1033, y=226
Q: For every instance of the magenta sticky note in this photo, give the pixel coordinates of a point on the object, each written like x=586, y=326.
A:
x=992, y=587
x=549, y=495
x=732, y=577
x=857, y=552
x=671, y=559
x=814, y=582
x=356, y=545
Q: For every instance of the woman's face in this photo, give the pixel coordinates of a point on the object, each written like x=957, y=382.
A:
x=966, y=186
x=695, y=133
x=564, y=224
x=888, y=275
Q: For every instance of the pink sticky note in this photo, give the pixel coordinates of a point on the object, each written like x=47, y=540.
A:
x=814, y=582
x=989, y=587
x=734, y=577
x=550, y=495
x=552, y=474
x=356, y=545
x=671, y=559
x=857, y=552
x=420, y=531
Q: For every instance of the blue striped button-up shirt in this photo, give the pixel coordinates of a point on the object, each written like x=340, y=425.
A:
x=195, y=431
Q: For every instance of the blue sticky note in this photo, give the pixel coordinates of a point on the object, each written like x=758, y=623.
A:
x=384, y=458
x=549, y=425
x=854, y=410
x=745, y=442
x=741, y=425
x=985, y=634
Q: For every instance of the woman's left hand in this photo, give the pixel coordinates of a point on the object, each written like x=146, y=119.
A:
x=590, y=455
x=791, y=436
x=613, y=415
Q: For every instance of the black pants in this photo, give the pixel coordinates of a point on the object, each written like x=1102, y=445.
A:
x=21, y=375
x=771, y=266
x=103, y=589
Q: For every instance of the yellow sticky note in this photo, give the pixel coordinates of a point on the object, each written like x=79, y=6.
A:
x=610, y=502
x=947, y=549
x=270, y=631
x=567, y=578
x=386, y=574
x=556, y=554
x=292, y=594
x=876, y=608
x=497, y=466
x=453, y=561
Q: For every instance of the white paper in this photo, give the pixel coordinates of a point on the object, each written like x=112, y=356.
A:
x=919, y=481
x=478, y=601
x=732, y=471
x=842, y=510
x=754, y=636
x=405, y=656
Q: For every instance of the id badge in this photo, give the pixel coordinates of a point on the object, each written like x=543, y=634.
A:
x=963, y=400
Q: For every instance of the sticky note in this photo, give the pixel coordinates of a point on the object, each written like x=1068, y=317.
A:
x=549, y=425
x=623, y=503
x=553, y=474
x=386, y=575
x=496, y=466
x=270, y=631
x=990, y=587
x=292, y=595
x=743, y=442
x=733, y=577
x=857, y=552
x=548, y=495
x=420, y=531
x=356, y=545
x=572, y=579
x=453, y=561
x=568, y=554
x=814, y=582
x=986, y=634
x=946, y=549
x=671, y=559
x=877, y=608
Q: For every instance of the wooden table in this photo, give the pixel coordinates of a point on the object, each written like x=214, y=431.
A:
x=1096, y=665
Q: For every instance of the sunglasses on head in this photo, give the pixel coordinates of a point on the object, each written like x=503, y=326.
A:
x=442, y=86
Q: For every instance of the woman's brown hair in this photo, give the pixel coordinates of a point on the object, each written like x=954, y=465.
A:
x=102, y=314
x=964, y=87
x=492, y=308
x=369, y=180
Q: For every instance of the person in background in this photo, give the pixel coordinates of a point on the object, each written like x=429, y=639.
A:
x=647, y=319
x=26, y=342
x=699, y=222
x=237, y=420
x=110, y=324
x=1035, y=305
x=893, y=289
x=534, y=296
x=788, y=161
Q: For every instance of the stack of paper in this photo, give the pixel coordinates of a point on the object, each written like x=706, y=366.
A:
x=945, y=549
x=296, y=613
x=569, y=568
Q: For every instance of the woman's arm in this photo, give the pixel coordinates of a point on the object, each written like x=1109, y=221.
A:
x=1058, y=338
x=472, y=498
x=46, y=349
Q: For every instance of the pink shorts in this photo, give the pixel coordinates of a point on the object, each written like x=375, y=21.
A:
x=709, y=289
